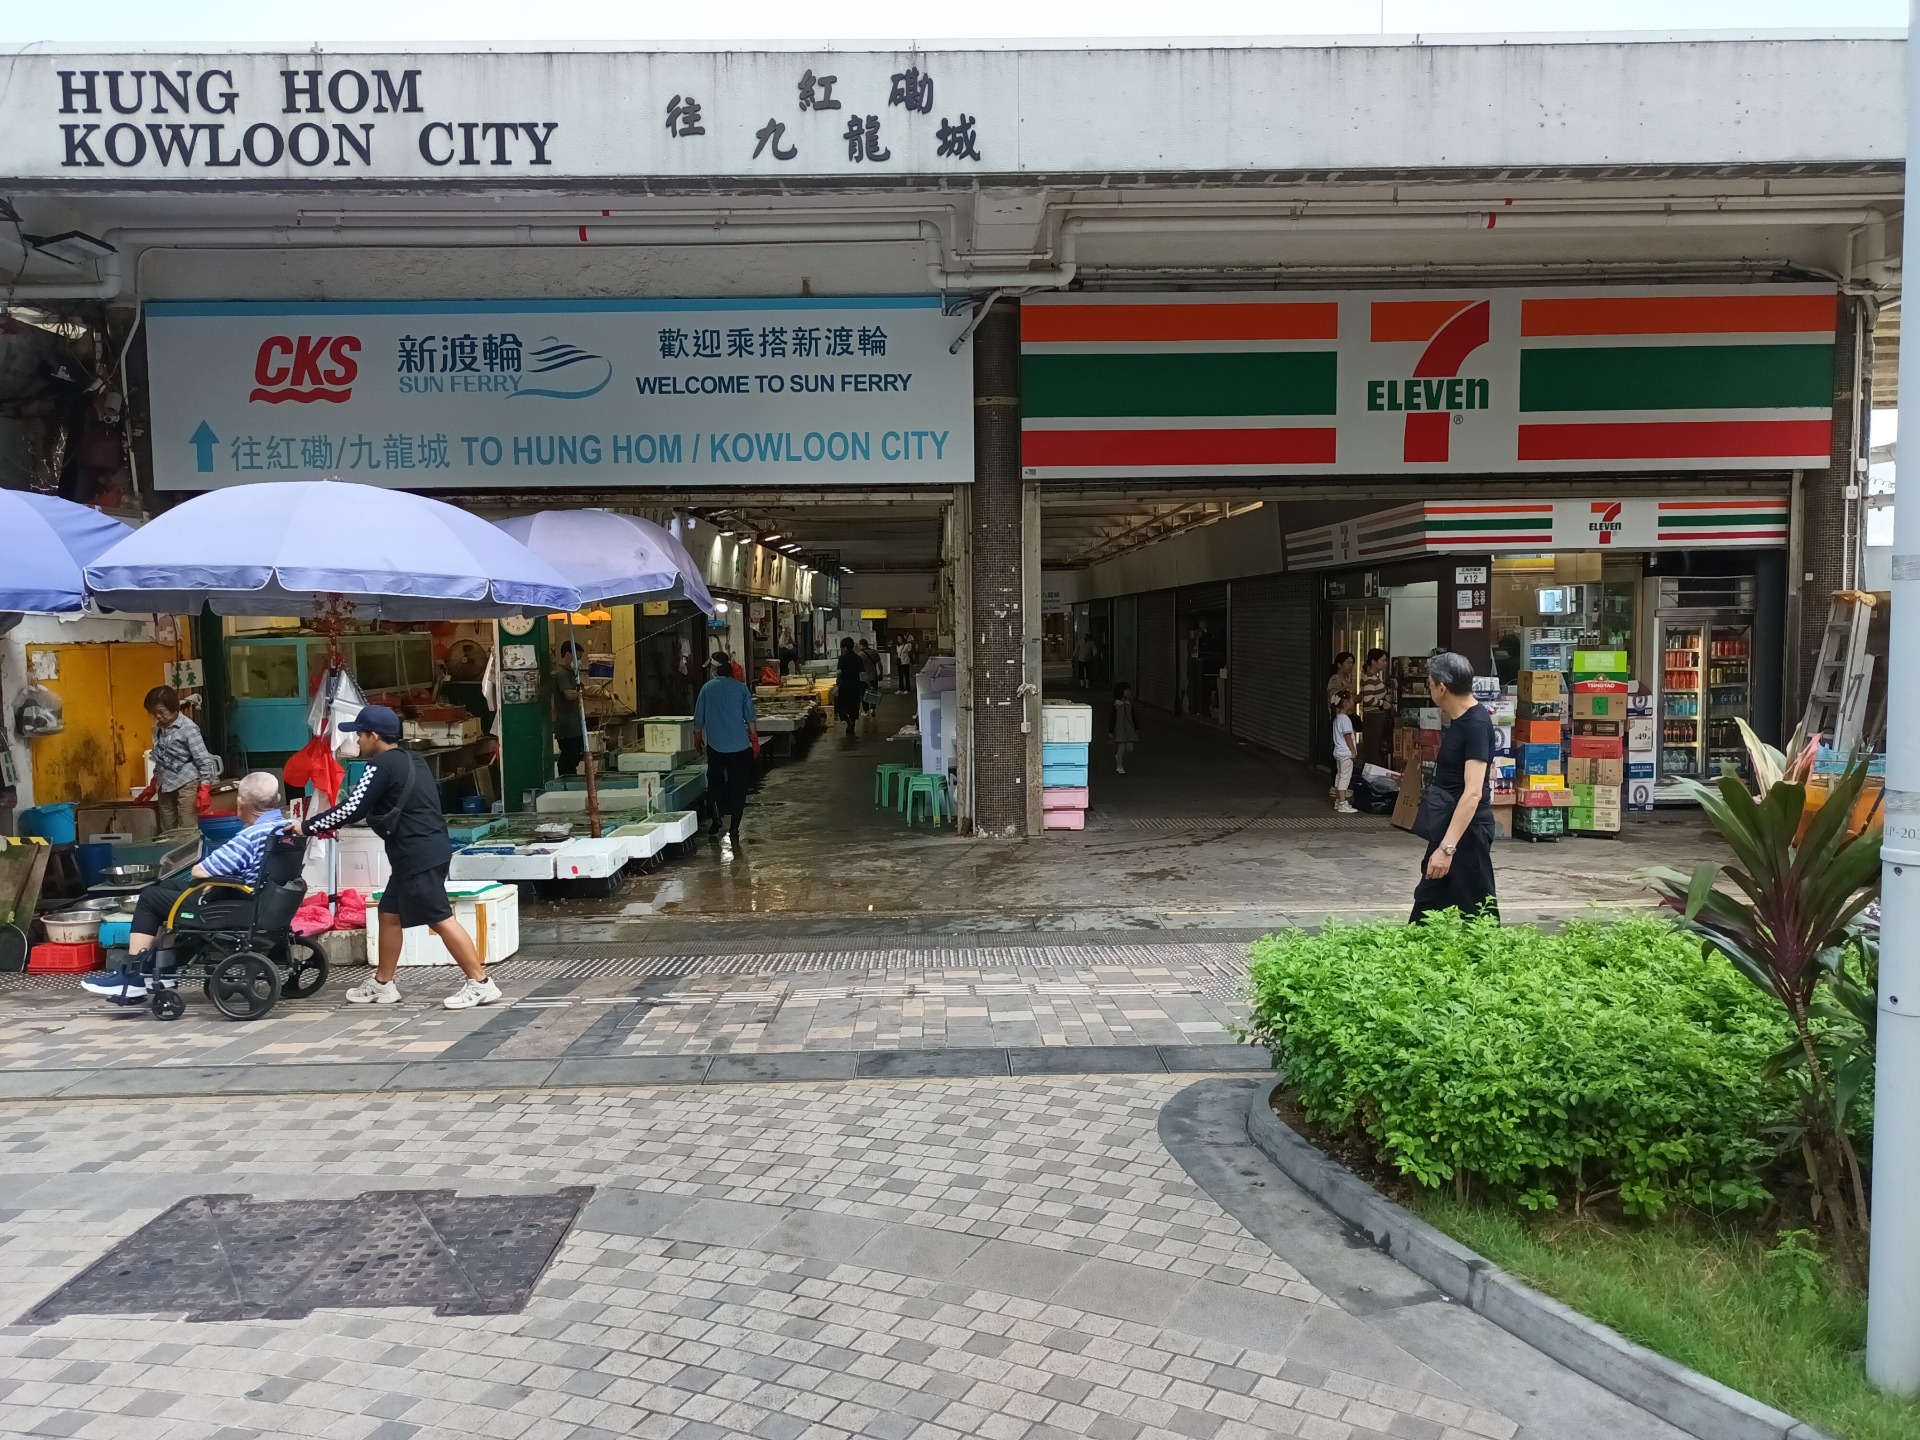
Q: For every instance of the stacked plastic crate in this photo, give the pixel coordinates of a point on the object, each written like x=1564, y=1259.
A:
x=1066, y=736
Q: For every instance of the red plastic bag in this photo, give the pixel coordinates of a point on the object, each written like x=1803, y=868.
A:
x=203, y=800
x=351, y=912
x=314, y=917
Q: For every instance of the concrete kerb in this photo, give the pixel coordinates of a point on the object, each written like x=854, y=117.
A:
x=1683, y=1398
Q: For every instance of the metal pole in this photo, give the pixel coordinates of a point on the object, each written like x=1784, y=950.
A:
x=586, y=740
x=1893, y=1290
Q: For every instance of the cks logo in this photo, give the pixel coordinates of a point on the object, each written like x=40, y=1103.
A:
x=305, y=368
x=1606, y=520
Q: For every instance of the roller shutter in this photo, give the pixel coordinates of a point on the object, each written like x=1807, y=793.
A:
x=1126, y=642
x=1271, y=640
x=1157, y=660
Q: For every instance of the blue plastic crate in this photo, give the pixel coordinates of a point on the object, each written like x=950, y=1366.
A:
x=1064, y=753
x=1068, y=775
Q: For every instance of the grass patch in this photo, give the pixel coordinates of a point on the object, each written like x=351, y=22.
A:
x=1709, y=1296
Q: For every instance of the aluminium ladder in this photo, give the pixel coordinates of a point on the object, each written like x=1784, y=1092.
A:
x=1837, y=702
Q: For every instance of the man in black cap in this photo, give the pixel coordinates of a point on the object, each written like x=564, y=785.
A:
x=400, y=801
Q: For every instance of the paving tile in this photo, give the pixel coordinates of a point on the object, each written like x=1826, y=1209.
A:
x=471, y=1075
x=1010, y=1269
x=930, y=1064
x=1086, y=1060
x=308, y=1079
x=766, y=1069
x=917, y=1250
x=821, y=1236
x=640, y=1070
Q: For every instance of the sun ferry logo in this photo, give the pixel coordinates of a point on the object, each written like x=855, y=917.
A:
x=305, y=368
x=1435, y=393
x=564, y=371
x=1606, y=522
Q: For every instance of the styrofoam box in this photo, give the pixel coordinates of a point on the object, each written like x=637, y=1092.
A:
x=630, y=762
x=1065, y=819
x=574, y=802
x=363, y=862
x=491, y=915
x=590, y=859
x=1065, y=723
x=1064, y=797
x=677, y=825
x=642, y=839
x=493, y=863
x=668, y=733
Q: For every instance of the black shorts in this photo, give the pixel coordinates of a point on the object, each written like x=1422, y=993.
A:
x=419, y=898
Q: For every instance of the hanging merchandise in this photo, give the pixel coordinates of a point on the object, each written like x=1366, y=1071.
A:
x=38, y=713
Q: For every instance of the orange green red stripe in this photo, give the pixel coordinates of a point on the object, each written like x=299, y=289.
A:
x=1163, y=323
x=1745, y=313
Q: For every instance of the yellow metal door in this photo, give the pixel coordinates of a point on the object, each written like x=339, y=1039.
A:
x=78, y=764
x=133, y=670
x=100, y=756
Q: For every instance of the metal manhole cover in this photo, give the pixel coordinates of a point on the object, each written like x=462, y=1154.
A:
x=224, y=1257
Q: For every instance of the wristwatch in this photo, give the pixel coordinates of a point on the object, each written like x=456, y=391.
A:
x=1448, y=850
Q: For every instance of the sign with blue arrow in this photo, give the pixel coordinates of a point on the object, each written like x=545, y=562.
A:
x=203, y=440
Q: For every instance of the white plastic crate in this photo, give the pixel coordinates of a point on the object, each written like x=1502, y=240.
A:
x=643, y=839
x=1065, y=723
x=633, y=762
x=589, y=859
x=487, y=863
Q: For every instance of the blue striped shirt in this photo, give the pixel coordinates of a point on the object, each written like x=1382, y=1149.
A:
x=240, y=858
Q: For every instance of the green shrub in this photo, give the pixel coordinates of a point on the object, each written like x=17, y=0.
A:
x=1608, y=1058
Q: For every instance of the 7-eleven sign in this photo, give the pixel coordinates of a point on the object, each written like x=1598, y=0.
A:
x=1430, y=389
x=1604, y=521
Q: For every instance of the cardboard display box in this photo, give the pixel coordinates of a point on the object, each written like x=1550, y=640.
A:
x=1538, y=758
x=1590, y=770
x=1539, y=685
x=1407, y=807
x=1598, y=747
x=1537, y=732
x=1599, y=707
x=1538, y=799
x=1592, y=686
x=1613, y=729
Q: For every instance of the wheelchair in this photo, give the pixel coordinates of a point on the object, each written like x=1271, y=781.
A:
x=239, y=939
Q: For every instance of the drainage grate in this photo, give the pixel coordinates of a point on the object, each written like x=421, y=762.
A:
x=588, y=961
x=1262, y=822
x=223, y=1257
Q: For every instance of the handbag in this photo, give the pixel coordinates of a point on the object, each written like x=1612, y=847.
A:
x=1437, y=805
x=388, y=821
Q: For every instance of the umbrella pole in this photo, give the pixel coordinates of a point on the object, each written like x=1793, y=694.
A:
x=586, y=742
x=333, y=846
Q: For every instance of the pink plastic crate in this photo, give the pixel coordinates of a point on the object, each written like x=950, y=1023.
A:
x=1064, y=797
x=1066, y=819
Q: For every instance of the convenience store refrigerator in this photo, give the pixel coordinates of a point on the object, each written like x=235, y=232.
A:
x=1704, y=633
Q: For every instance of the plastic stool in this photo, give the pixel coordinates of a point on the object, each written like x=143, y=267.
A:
x=883, y=782
x=934, y=789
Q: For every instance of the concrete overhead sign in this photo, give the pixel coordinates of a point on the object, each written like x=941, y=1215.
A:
x=526, y=394
x=1427, y=382
x=497, y=119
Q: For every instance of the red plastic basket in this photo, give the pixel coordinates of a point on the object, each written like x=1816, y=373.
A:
x=52, y=959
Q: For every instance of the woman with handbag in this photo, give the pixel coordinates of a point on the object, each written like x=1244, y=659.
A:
x=1456, y=815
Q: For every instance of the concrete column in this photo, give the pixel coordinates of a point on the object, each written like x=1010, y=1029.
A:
x=1002, y=728
x=1827, y=517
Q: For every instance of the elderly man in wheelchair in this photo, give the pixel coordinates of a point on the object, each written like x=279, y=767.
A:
x=228, y=918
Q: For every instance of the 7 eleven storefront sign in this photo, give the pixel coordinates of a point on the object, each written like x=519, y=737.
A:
x=1517, y=527
x=1594, y=381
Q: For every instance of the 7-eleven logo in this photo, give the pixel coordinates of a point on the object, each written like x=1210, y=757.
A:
x=1606, y=520
x=1435, y=393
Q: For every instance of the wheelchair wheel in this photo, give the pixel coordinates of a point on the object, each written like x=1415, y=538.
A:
x=306, y=969
x=167, y=1005
x=243, y=986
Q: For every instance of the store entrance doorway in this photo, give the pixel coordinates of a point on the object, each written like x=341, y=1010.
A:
x=1358, y=628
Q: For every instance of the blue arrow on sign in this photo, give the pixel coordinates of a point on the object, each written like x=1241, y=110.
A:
x=203, y=440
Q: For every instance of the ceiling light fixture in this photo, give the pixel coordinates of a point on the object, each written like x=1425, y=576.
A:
x=73, y=247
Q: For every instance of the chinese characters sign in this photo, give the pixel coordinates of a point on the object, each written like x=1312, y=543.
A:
x=524, y=394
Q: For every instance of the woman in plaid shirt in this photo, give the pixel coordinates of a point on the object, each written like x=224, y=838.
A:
x=181, y=761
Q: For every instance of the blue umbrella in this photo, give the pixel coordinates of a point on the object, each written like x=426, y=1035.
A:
x=277, y=547
x=612, y=558
x=45, y=543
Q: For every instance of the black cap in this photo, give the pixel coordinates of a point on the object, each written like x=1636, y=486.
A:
x=376, y=720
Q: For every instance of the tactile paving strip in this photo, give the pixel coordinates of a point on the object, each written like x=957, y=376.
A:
x=224, y=1257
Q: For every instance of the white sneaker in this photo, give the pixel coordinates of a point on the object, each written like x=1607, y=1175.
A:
x=1345, y=809
x=472, y=993
x=374, y=992
x=1119, y=769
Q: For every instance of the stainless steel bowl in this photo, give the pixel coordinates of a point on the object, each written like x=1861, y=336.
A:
x=100, y=904
x=127, y=874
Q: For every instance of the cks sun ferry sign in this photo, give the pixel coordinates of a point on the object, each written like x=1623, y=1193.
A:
x=1451, y=382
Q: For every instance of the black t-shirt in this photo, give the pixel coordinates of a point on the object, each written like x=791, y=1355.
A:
x=407, y=817
x=1468, y=738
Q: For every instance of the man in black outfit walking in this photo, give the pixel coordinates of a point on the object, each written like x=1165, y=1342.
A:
x=400, y=801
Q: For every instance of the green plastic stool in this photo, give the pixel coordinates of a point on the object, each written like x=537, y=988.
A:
x=933, y=788
x=883, y=782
